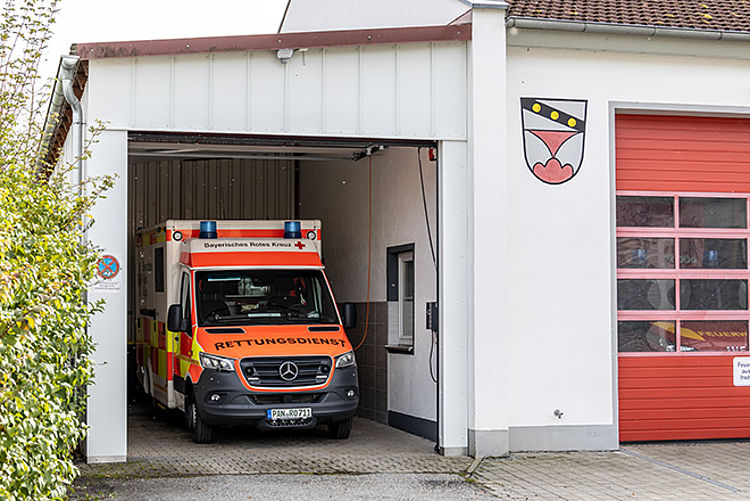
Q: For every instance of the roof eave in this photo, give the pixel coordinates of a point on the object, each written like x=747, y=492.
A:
x=623, y=29
x=276, y=41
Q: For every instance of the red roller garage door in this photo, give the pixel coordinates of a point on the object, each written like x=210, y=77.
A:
x=683, y=195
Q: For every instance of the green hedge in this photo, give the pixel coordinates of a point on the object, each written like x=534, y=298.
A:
x=44, y=346
x=44, y=272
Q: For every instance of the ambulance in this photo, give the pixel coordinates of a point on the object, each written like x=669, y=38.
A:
x=236, y=325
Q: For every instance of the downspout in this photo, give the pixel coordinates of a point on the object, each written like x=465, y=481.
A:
x=68, y=65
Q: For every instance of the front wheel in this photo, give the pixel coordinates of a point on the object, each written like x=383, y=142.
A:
x=340, y=429
x=202, y=433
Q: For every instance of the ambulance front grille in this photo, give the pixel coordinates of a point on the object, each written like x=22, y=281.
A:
x=266, y=371
x=286, y=398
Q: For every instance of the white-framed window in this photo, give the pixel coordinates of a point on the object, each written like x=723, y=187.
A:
x=401, y=299
x=406, y=298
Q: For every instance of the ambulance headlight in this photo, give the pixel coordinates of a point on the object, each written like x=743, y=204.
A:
x=216, y=362
x=345, y=360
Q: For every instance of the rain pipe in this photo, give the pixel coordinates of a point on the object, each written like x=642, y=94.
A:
x=62, y=92
x=66, y=76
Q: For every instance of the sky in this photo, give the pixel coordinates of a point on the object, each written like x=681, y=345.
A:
x=83, y=21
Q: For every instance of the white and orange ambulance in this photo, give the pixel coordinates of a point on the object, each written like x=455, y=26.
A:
x=236, y=325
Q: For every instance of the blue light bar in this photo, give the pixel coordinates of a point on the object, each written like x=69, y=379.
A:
x=208, y=230
x=292, y=229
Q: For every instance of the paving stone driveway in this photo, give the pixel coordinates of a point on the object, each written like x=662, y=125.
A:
x=686, y=471
x=379, y=462
x=162, y=448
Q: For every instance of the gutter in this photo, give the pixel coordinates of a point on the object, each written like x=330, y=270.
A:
x=62, y=94
x=52, y=120
x=625, y=29
x=486, y=4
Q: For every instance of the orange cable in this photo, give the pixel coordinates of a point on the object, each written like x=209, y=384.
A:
x=369, y=249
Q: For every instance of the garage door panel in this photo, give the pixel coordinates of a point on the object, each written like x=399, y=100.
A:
x=659, y=362
x=627, y=373
x=710, y=146
x=700, y=434
x=668, y=185
x=631, y=403
x=692, y=412
x=697, y=158
x=639, y=121
x=708, y=181
x=683, y=394
x=672, y=382
x=712, y=422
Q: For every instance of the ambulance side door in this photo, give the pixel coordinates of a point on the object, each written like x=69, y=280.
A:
x=186, y=338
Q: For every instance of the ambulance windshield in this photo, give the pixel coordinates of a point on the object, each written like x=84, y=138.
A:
x=262, y=297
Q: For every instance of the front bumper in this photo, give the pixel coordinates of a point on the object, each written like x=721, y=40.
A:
x=239, y=406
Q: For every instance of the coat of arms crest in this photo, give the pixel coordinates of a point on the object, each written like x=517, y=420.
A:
x=553, y=137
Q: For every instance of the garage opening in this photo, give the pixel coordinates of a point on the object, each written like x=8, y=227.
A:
x=683, y=189
x=377, y=204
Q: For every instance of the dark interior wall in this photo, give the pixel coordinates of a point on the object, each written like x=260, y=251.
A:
x=205, y=189
x=372, y=359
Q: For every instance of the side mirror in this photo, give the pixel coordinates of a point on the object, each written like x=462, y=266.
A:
x=349, y=312
x=175, y=320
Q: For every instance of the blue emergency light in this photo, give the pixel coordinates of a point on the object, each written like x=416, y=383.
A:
x=208, y=230
x=292, y=229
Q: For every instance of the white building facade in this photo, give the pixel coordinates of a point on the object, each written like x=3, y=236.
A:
x=525, y=134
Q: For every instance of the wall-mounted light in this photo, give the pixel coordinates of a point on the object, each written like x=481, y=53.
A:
x=284, y=55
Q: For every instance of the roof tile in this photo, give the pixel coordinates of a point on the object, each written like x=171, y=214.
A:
x=715, y=15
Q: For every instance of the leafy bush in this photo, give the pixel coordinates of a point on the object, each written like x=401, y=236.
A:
x=44, y=270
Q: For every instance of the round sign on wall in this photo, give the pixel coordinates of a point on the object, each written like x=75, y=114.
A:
x=108, y=267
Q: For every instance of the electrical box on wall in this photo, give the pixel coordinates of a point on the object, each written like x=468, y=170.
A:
x=431, y=317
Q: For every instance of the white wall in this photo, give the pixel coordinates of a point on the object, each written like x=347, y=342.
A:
x=399, y=91
x=561, y=325
x=406, y=91
x=323, y=15
x=337, y=194
x=106, y=412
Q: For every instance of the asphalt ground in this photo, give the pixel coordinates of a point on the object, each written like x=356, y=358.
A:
x=380, y=462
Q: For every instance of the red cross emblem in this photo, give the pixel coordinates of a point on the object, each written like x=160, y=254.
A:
x=299, y=245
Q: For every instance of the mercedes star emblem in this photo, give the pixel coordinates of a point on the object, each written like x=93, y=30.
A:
x=288, y=371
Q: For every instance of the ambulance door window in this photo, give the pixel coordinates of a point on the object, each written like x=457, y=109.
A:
x=185, y=301
x=159, y=269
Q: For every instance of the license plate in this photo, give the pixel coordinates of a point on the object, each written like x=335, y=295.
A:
x=285, y=414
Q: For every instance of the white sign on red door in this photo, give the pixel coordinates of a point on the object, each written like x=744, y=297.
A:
x=741, y=371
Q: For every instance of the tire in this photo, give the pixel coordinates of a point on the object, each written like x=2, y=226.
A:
x=202, y=433
x=340, y=429
x=148, y=391
x=189, y=411
x=157, y=412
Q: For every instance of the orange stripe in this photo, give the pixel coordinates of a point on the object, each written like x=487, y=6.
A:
x=243, y=233
x=252, y=259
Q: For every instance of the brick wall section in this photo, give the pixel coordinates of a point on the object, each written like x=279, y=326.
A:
x=372, y=361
